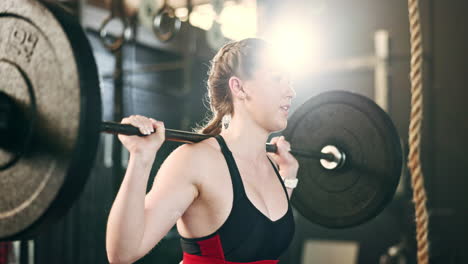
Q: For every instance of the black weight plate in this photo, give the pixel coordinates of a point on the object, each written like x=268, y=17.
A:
x=359, y=190
x=45, y=57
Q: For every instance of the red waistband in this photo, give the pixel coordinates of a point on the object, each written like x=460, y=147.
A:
x=194, y=259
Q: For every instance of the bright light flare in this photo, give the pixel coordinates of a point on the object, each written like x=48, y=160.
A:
x=294, y=46
x=202, y=16
x=239, y=21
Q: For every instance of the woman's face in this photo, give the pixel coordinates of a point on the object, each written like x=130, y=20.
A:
x=269, y=97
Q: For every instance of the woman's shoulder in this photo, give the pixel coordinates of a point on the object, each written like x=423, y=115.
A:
x=196, y=154
x=195, y=161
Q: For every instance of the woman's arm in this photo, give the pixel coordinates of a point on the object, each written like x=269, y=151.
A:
x=288, y=165
x=137, y=222
x=174, y=189
x=125, y=225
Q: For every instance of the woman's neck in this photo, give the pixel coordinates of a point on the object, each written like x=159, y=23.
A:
x=246, y=139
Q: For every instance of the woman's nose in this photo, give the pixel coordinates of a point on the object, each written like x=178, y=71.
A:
x=291, y=92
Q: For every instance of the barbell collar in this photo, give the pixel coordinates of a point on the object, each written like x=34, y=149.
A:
x=337, y=162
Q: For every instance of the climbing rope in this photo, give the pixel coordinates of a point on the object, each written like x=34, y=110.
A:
x=414, y=162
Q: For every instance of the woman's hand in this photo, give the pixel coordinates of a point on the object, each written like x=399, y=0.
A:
x=288, y=165
x=147, y=145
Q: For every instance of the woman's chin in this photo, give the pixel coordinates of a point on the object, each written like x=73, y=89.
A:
x=279, y=126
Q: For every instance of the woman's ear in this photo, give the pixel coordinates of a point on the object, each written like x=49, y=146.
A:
x=235, y=84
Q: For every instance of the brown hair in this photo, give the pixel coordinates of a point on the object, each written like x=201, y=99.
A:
x=240, y=59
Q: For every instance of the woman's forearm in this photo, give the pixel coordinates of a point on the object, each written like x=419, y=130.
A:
x=126, y=222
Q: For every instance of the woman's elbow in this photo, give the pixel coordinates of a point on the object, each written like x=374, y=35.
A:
x=115, y=257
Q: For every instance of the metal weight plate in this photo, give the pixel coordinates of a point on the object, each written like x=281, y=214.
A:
x=366, y=183
x=147, y=10
x=166, y=25
x=45, y=58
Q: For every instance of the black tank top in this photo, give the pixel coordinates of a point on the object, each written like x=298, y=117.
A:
x=247, y=235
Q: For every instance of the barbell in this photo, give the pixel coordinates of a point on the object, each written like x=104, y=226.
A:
x=189, y=137
x=50, y=120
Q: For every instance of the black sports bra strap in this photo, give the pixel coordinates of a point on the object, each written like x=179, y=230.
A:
x=233, y=170
x=279, y=176
x=222, y=144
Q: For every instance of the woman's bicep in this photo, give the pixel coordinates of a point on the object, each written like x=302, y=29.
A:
x=173, y=191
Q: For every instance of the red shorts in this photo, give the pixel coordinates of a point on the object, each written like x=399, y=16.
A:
x=194, y=259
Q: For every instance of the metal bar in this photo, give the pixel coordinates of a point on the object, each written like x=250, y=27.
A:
x=17, y=251
x=107, y=155
x=381, y=82
x=171, y=134
x=30, y=251
x=117, y=169
x=345, y=65
x=150, y=68
x=189, y=137
x=313, y=155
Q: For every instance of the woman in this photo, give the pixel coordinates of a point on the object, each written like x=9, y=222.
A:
x=224, y=193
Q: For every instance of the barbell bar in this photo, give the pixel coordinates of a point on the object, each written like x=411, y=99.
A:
x=189, y=137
